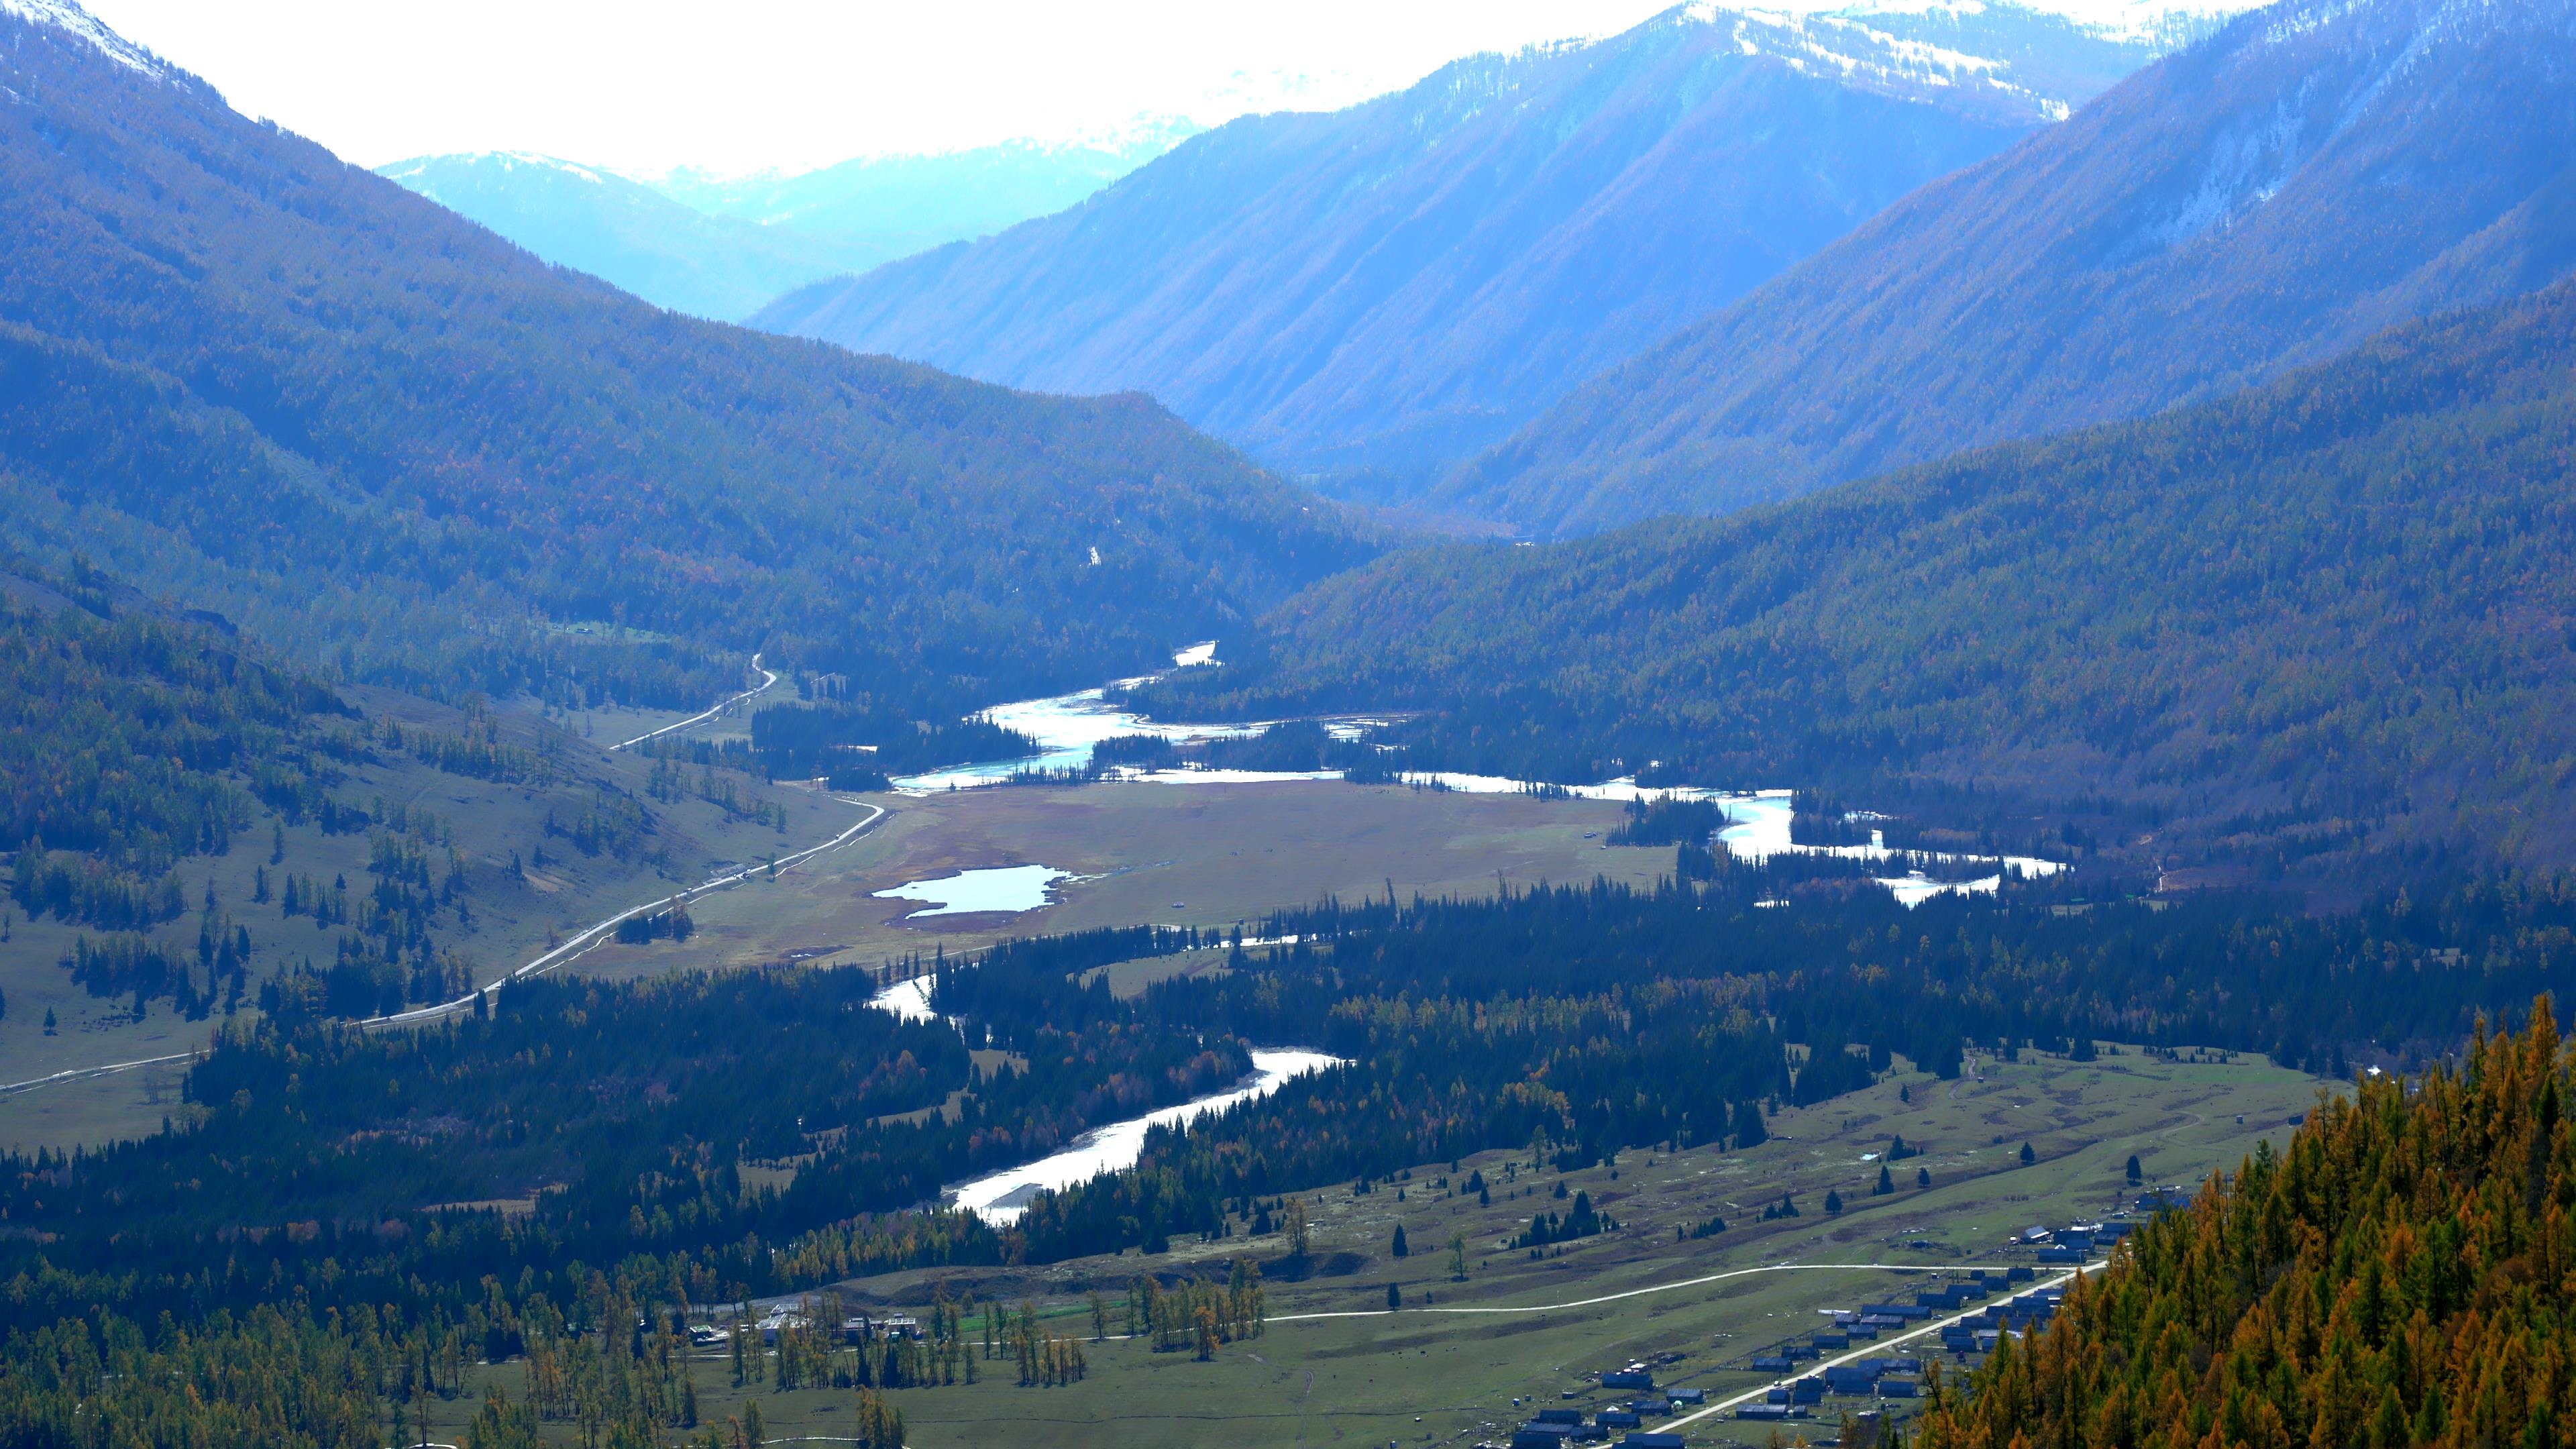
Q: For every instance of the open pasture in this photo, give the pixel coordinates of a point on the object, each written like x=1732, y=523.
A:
x=1334, y=1366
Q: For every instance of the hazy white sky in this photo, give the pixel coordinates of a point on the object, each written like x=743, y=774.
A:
x=647, y=84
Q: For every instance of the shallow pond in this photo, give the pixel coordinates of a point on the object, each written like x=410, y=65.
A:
x=1011, y=888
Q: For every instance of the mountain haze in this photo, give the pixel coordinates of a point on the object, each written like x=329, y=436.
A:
x=910, y=203
x=275, y=385
x=723, y=247
x=1392, y=286
x=2265, y=199
x=621, y=231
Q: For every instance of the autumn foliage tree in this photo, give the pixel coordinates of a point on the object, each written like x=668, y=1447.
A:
x=2401, y=1275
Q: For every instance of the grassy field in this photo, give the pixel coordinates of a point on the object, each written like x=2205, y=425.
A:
x=1432, y=1374
x=1203, y=855
x=513, y=917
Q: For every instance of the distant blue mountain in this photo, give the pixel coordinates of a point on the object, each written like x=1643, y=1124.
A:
x=1382, y=290
x=722, y=247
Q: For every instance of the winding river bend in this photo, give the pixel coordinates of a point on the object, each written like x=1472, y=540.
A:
x=1068, y=726
x=999, y=1197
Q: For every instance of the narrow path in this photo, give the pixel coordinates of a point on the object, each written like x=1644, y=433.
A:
x=768, y=677
x=1674, y=1426
x=1874, y=1349
x=1642, y=1292
x=597, y=933
x=82, y=1074
x=558, y=956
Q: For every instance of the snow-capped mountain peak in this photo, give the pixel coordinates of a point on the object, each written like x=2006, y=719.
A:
x=1842, y=44
x=69, y=18
x=502, y=160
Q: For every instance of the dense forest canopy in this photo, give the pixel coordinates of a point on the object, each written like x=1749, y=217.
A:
x=2400, y=1275
x=2331, y=609
x=123, y=737
x=623, y=1117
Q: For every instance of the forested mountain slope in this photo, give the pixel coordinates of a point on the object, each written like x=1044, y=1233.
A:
x=2319, y=170
x=1394, y=285
x=2333, y=604
x=398, y=447
x=2399, y=1276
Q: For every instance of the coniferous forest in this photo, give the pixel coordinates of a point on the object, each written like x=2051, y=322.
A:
x=408, y=642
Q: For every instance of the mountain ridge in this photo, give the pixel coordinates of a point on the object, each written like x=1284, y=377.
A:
x=2313, y=173
x=293, y=392
x=1391, y=286
x=722, y=247
x=2315, y=615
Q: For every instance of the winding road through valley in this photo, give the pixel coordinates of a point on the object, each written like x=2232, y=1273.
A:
x=559, y=955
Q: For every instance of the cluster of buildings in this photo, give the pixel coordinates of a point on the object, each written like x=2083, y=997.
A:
x=1896, y=1376
x=1558, y=1427
x=2075, y=1243
x=858, y=1328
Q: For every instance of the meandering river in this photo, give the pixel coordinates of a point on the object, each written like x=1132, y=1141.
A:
x=999, y=1197
x=1066, y=728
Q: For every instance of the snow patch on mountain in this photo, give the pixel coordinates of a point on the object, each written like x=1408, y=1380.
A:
x=1840, y=44
x=503, y=160
x=2159, y=21
x=69, y=18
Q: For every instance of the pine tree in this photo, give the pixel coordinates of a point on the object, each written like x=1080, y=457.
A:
x=1749, y=1131
x=2410, y=1244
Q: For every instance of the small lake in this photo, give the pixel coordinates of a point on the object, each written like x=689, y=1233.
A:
x=1000, y=1197
x=1009, y=888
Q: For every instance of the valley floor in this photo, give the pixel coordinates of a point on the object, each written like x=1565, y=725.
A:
x=1335, y=1367
x=1211, y=856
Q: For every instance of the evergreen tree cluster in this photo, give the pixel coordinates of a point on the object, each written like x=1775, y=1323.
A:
x=2402, y=1274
